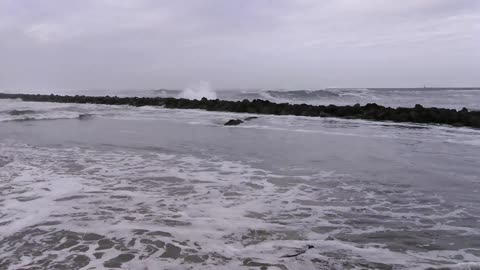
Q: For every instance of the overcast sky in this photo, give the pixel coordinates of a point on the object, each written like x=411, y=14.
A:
x=125, y=44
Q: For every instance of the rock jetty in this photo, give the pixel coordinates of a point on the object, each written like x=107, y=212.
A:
x=371, y=111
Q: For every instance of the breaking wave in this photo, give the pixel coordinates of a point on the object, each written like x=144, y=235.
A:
x=93, y=207
x=198, y=91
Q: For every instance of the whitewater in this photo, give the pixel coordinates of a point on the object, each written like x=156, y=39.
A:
x=86, y=186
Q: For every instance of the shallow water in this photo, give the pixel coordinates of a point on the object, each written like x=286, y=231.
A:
x=149, y=188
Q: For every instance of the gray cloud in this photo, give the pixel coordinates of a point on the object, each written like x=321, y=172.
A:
x=57, y=44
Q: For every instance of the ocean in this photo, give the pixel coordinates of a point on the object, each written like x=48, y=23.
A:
x=155, y=188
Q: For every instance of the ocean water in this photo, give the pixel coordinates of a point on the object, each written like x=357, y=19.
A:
x=454, y=98
x=154, y=188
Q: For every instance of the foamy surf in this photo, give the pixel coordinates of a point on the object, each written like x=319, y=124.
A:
x=80, y=207
x=149, y=187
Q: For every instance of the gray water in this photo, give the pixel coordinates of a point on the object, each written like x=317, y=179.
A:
x=152, y=188
x=454, y=98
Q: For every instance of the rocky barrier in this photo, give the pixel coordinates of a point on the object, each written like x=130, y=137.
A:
x=371, y=111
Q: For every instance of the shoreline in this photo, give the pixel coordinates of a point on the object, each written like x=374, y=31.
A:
x=370, y=111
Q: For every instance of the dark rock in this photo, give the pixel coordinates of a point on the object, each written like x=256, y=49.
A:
x=250, y=118
x=233, y=122
x=85, y=116
x=371, y=111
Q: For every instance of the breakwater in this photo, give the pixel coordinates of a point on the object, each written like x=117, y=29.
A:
x=371, y=111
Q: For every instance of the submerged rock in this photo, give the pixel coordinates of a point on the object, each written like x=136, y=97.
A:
x=233, y=122
x=85, y=116
x=250, y=118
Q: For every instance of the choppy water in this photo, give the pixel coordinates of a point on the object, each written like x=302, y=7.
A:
x=152, y=188
x=455, y=98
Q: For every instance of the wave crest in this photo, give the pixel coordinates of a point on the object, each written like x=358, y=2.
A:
x=198, y=91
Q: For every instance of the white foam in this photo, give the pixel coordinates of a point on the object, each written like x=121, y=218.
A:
x=198, y=91
x=226, y=207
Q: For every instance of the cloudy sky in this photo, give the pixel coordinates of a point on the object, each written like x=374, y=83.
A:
x=144, y=44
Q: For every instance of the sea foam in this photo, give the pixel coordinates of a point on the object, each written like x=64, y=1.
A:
x=198, y=91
